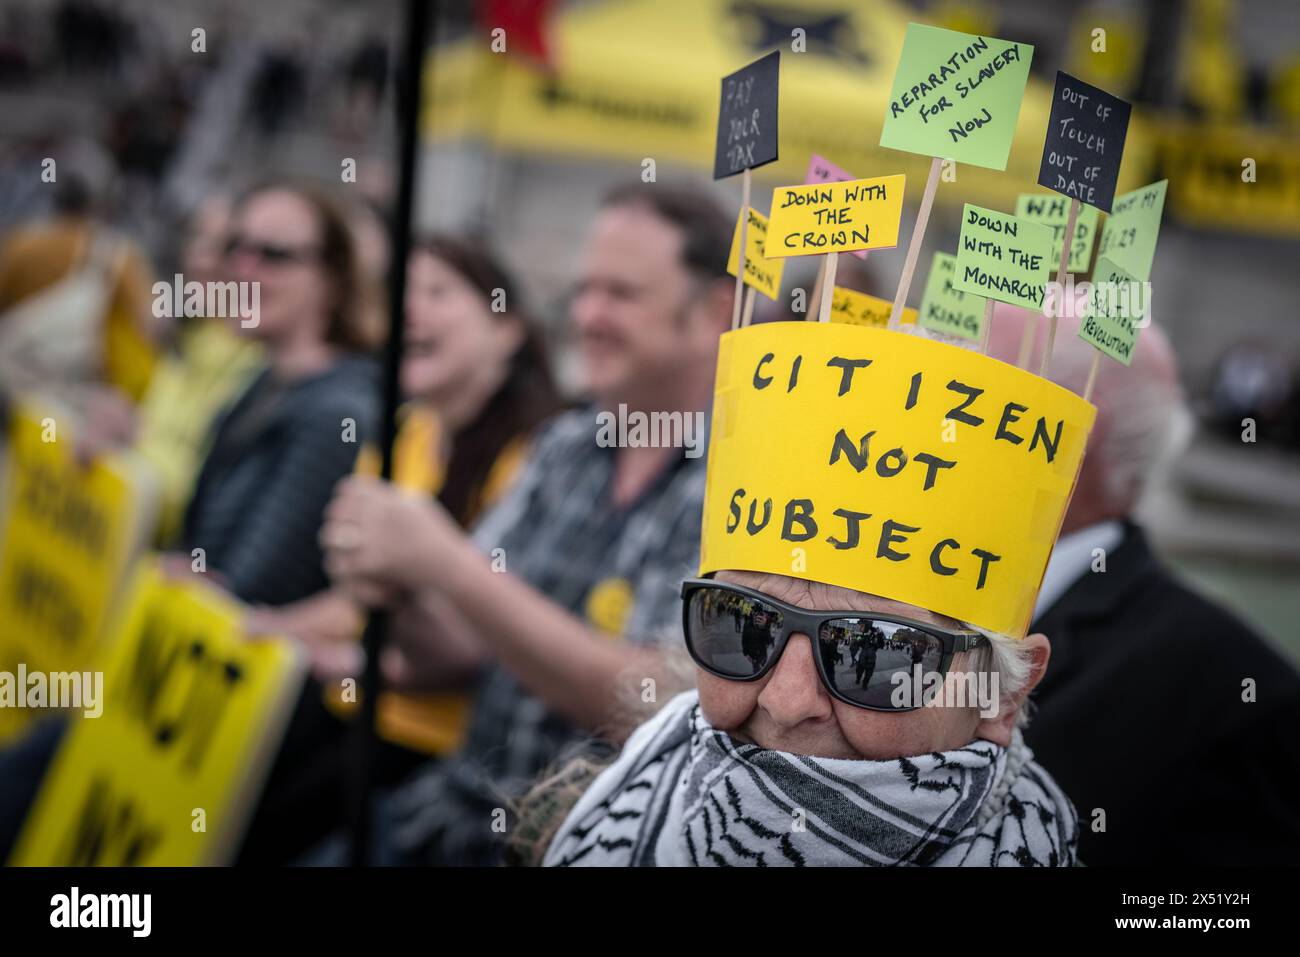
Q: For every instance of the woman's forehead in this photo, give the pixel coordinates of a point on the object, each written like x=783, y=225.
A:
x=281, y=214
x=819, y=596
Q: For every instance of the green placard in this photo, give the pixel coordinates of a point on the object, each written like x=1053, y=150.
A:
x=1118, y=306
x=1054, y=210
x=1129, y=237
x=945, y=308
x=956, y=95
x=1003, y=258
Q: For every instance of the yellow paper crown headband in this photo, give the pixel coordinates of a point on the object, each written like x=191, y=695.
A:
x=890, y=464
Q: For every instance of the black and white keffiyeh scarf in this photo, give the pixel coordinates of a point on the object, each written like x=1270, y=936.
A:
x=682, y=794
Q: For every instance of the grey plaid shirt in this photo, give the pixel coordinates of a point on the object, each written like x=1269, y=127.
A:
x=562, y=535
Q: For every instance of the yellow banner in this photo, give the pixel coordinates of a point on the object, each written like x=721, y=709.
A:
x=835, y=217
x=69, y=535
x=760, y=272
x=639, y=78
x=1234, y=177
x=859, y=309
x=192, y=714
x=891, y=464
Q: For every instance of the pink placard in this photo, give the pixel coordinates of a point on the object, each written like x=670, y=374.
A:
x=822, y=170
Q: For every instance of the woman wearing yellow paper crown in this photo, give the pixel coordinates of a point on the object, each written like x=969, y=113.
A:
x=858, y=634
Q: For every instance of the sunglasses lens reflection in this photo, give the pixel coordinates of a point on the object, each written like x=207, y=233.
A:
x=866, y=659
x=730, y=633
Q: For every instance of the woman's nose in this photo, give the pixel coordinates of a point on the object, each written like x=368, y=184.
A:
x=793, y=692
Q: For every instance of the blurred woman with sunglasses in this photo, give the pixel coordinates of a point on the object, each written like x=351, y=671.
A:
x=276, y=455
x=806, y=744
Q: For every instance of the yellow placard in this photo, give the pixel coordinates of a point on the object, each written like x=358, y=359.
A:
x=891, y=464
x=69, y=535
x=835, y=217
x=192, y=714
x=859, y=309
x=760, y=272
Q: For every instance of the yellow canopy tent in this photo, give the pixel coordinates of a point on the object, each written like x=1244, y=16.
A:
x=638, y=79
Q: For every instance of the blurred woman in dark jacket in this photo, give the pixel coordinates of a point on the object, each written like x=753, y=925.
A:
x=278, y=452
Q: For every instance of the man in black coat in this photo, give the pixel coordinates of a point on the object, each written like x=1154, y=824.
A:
x=1173, y=727
x=1170, y=724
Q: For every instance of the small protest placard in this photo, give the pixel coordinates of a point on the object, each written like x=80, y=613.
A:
x=1129, y=237
x=1085, y=142
x=761, y=273
x=1054, y=211
x=191, y=717
x=835, y=217
x=747, y=117
x=822, y=170
x=947, y=309
x=1003, y=258
x=1118, y=306
x=956, y=96
x=860, y=309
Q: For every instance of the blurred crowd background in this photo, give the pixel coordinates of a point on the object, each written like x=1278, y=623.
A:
x=159, y=117
x=518, y=147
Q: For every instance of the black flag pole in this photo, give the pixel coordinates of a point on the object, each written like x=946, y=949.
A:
x=409, y=76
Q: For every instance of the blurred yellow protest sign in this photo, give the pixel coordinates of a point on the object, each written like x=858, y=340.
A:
x=1235, y=177
x=835, y=217
x=859, y=309
x=760, y=272
x=69, y=535
x=889, y=463
x=192, y=714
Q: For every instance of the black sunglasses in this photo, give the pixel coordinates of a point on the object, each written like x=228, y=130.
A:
x=269, y=253
x=739, y=634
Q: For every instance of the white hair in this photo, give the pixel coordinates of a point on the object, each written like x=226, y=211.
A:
x=1010, y=660
x=1148, y=428
x=1147, y=424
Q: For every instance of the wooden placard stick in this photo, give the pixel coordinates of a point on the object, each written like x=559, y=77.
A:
x=1027, y=342
x=1061, y=270
x=747, y=314
x=828, y=288
x=1092, y=375
x=914, y=249
x=988, y=326
x=740, y=253
x=815, y=300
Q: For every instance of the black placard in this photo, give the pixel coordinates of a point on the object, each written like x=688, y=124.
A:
x=747, y=117
x=1085, y=142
